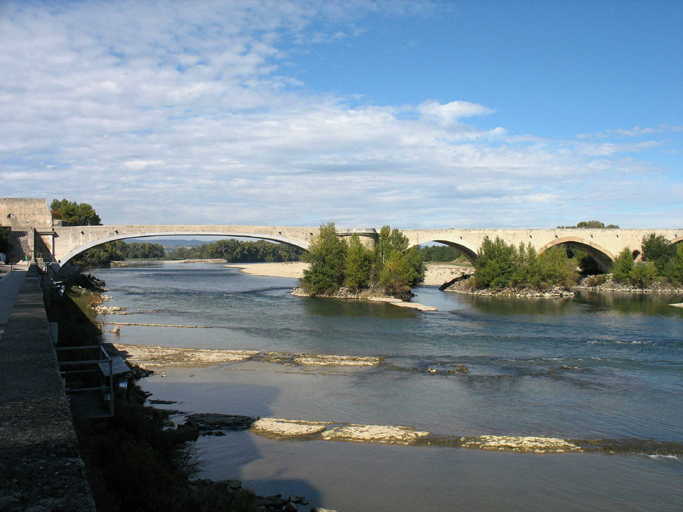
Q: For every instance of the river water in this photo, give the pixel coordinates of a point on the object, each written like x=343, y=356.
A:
x=592, y=367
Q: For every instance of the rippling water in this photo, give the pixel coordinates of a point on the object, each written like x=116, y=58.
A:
x=607, y=367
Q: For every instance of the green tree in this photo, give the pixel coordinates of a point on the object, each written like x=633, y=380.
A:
x=101, y=255
x=526, y=266
x=357, y=265
x=623, y=264
x=5, y=240
x=676, y=272
x=495, y=264
x=659, y=251
x=643, y=274
x=398, y=275
x=555, y=269
x=76, y=214
x=383, y=246
x=588, y=224
x=440, y=253
x=326, y=255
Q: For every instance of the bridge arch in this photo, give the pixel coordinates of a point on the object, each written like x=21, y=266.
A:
x=676, y=240
x=602, y=256
x=466, y=250
x=89, y=245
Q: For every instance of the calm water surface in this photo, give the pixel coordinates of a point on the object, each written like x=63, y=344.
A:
x=605, y=367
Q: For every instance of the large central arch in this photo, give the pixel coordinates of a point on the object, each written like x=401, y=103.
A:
x=602, y=256
x=271, y=238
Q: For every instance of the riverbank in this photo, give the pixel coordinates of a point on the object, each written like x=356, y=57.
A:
x=369, y=295
x=137, y=263
x=592, y=284
x=137, y=460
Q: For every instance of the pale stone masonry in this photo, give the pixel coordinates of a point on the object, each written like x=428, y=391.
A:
x=30, y=221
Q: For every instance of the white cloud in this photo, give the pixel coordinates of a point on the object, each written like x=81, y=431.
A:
x=448, y=113
x=163, y=113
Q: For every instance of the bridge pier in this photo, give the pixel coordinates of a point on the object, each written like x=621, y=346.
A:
x=368, y=236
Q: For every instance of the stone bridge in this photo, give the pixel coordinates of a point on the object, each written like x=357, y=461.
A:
x=37, y=236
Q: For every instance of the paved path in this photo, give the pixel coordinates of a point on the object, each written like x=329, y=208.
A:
x=40, y=465
x=10, y=284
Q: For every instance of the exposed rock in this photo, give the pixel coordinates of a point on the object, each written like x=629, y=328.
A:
x=210, y=423
x=521, y=444
x=287, y=428
x=332, y=360
x=150, y=356
x=374, y=433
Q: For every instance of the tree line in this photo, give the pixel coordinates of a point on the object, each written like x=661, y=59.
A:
x=238, y=251
x=390, y=268
x=661, y=261
x=501, y=265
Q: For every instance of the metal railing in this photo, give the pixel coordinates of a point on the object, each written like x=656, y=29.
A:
x=104, y=363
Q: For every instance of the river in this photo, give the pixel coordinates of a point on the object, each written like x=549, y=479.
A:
x=590, y=367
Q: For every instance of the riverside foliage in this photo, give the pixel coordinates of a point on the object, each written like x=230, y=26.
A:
x=391, y=268
x=500, y=265
x=661, y=261
x=238, y=251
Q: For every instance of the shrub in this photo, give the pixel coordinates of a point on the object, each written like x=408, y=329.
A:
x=357, y=265
x=659, y=251
x=495, y=264
x=327, y=255
x=643, y=274
x=596, y=280
x=623, y=265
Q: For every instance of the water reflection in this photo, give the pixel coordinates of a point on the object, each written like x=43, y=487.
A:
x=353, y=308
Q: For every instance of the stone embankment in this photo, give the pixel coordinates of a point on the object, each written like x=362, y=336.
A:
x=464, y=286
x=612, y=287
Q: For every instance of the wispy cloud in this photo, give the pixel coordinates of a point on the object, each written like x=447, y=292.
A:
x=172, y=112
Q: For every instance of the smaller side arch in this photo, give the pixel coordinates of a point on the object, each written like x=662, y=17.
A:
x=468, y=252
x=602, y=256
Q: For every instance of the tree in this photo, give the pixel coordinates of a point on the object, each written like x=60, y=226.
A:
x=398, y=275
x=357, y=265
x=5, y=240
x=495, y=264
x=590, y=224
x=642, y=274
x=623, y=264
x=326, y=255
x=76, y=214
x=676, y=273
x=659, y=251
x=553, y=268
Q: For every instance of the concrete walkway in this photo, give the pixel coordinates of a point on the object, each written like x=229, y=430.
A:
x=40, y=465
x=10, y=284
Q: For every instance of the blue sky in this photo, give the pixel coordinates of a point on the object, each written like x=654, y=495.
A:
x=417, y=114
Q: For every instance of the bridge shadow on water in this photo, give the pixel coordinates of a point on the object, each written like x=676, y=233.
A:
x=262, y=464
